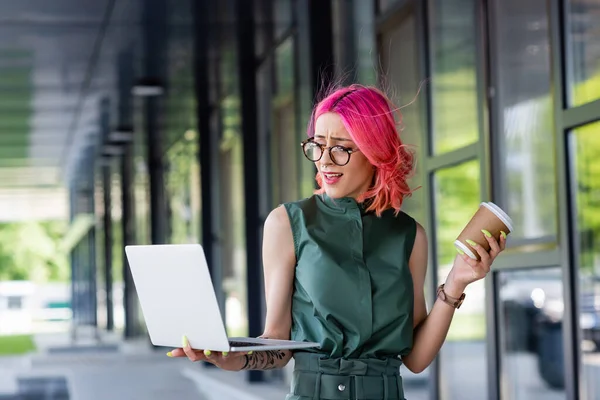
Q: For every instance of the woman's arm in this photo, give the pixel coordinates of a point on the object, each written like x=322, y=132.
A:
x=430, y=330
x=279, y=261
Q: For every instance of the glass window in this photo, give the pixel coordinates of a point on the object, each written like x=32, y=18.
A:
x=285, y=68
x=285, y=140
x=344, y=48
x=100, y=259
x=385, y=5
x=183, y=190
x=400, y=60
x=305, y=96
x=233, y=238
x=141, y=186
x=117, y=249
x=283, y=16
x=584, y=51
x=364, y=39
x=457, y=188
x=530, y=324
x=263, y=25
x=265, y=83
x=585, y=150
x=454, y=83
x=525, y=187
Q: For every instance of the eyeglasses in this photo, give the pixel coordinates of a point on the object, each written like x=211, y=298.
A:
x=340, y=155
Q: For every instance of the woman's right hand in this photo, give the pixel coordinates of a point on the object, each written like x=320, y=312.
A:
x=233, y=361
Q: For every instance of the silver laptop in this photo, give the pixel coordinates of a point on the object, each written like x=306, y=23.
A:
x=177, y=298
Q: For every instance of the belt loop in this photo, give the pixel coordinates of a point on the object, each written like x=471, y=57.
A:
x=385, y=387
x=317, y=393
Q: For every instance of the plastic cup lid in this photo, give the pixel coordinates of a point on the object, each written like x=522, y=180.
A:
x=500, y=214
x=458, y=244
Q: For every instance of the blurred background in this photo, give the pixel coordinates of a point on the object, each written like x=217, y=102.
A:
x=179, y=121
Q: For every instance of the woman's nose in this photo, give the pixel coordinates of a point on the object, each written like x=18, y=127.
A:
x=326, y=157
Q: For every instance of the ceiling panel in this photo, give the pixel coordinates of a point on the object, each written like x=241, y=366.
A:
x=58, y=62
x=47, y=63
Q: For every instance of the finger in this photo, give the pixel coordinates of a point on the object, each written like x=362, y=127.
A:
x=199, y=356
x=471, y=262
x=481, y=270
x=213, y=356
x=189, y=352
x=484, y=255
x=231, y=355
x=476, y=266
x=217, y=357
x=502, y=240
x=195, y=355
x=177, y=353
x=494, y=245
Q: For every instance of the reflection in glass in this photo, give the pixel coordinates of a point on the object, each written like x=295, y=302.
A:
x=454, y=84
x=463, y=356
x=141, y=207
x=101, y=264
x=285, y=138
x=364, y=38
x=233, y=238
x=531, y=308
x=584, y=50
x=141, y=190
x=384, y=5
x=183, y=190
x=400, y=59
x=283, y=16
x=585, y=150
x=525, y=143
x=263, y=21
x=117, y=251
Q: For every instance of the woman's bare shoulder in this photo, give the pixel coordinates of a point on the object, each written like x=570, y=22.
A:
x=278, y=220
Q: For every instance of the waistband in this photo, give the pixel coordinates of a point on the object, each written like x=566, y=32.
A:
x=368, y=366
x=320, y=378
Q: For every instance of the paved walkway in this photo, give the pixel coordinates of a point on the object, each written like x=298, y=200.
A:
x=109, y=372
x=119, y=376
x=125, y=371
x=130, y=371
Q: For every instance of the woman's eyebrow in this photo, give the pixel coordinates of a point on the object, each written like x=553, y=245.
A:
x=335, y=138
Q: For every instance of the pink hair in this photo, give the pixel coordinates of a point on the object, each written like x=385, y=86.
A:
x=368, y=116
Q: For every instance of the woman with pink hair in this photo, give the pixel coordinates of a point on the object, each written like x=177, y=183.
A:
x=346, y=267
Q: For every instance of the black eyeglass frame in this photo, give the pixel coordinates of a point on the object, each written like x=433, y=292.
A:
x=348, y=150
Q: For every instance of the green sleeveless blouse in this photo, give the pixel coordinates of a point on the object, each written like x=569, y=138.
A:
x=353, y=290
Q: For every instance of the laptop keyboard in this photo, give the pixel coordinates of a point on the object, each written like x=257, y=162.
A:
x=244, y=344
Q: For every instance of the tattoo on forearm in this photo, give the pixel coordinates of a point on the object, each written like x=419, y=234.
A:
x=264, y=360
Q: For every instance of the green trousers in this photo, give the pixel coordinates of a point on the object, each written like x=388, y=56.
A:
x=319, y=378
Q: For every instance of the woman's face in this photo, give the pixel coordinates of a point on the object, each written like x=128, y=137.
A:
x=350, y=180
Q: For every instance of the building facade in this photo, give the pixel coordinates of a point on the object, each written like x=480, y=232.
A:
x=500, y=102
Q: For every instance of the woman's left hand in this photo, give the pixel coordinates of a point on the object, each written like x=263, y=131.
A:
x=466, y=270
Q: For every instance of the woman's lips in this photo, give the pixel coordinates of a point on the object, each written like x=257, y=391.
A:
x=331, y=178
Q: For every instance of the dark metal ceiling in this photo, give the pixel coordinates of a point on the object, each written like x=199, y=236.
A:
x=56, y=61
x=59, y=59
